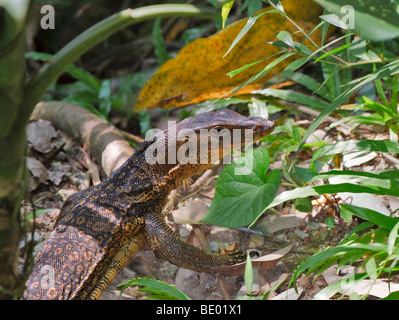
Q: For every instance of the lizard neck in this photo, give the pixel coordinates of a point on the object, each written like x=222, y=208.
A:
x=137, y=187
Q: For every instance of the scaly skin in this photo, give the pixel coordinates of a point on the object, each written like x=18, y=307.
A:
x=100, y=228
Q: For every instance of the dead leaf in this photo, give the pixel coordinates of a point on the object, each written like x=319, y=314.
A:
x=393, y=203
x=92, y=167
x=285, y=222
x=199, y=72
x=266, y=262
x=39, y=134
x=191, y=211
x=38, y=171
x=290, y=294
x=57, y=172
x=230, y=248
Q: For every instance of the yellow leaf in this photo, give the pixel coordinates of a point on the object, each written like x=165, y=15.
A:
x=225, y=11
x=199, y=72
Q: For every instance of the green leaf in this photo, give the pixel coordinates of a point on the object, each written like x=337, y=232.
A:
x=159, y=289
x=285, y=37
x=392, y=296
x=258, y=108
x=311, y=84
x=159, y=45
x=293, y=96
x=14, y=19
x=84, y=76
x=372, y=20
x=303, y=204
x=345, y=214
x=84, y=99
x=329, y=221
x=243, y=190
x=393, y=235
x=372, y=216
x=339, y=49
x=331, y=255
x=248, y=275
x=38, y=212
x=332, y=19
x=304, y=174
x=371, y=268
x=104, y=97
x=261, y=73
x=295, y=65
x=231, y=74
x=253, y=6
x=385, y=179
x=250, y=22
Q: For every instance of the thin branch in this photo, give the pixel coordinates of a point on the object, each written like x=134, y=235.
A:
x=106, y=143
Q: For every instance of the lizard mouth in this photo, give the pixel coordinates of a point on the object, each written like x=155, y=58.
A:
x=260, y=127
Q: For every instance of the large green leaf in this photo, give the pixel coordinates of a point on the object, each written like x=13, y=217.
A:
x=373, y=20
x=243, y=190
x=159, y=290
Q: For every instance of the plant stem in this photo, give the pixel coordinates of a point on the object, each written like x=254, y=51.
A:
x=393, y=132
x=306, y=35
x=37, y=85
x=394, y=99
x=380, y=90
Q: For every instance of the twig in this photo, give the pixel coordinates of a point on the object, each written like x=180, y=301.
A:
x=131, y=137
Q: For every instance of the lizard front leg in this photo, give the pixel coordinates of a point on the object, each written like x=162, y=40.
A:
x=167, y=245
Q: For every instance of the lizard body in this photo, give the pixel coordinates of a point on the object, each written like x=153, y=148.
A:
x=98, y=227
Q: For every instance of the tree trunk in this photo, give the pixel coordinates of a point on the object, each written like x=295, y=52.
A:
x=13, y=19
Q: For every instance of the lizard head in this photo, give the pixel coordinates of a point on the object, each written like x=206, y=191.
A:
x=230, y=121
x=194, y=144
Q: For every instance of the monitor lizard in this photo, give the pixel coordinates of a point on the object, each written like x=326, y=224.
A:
x=98, y=226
